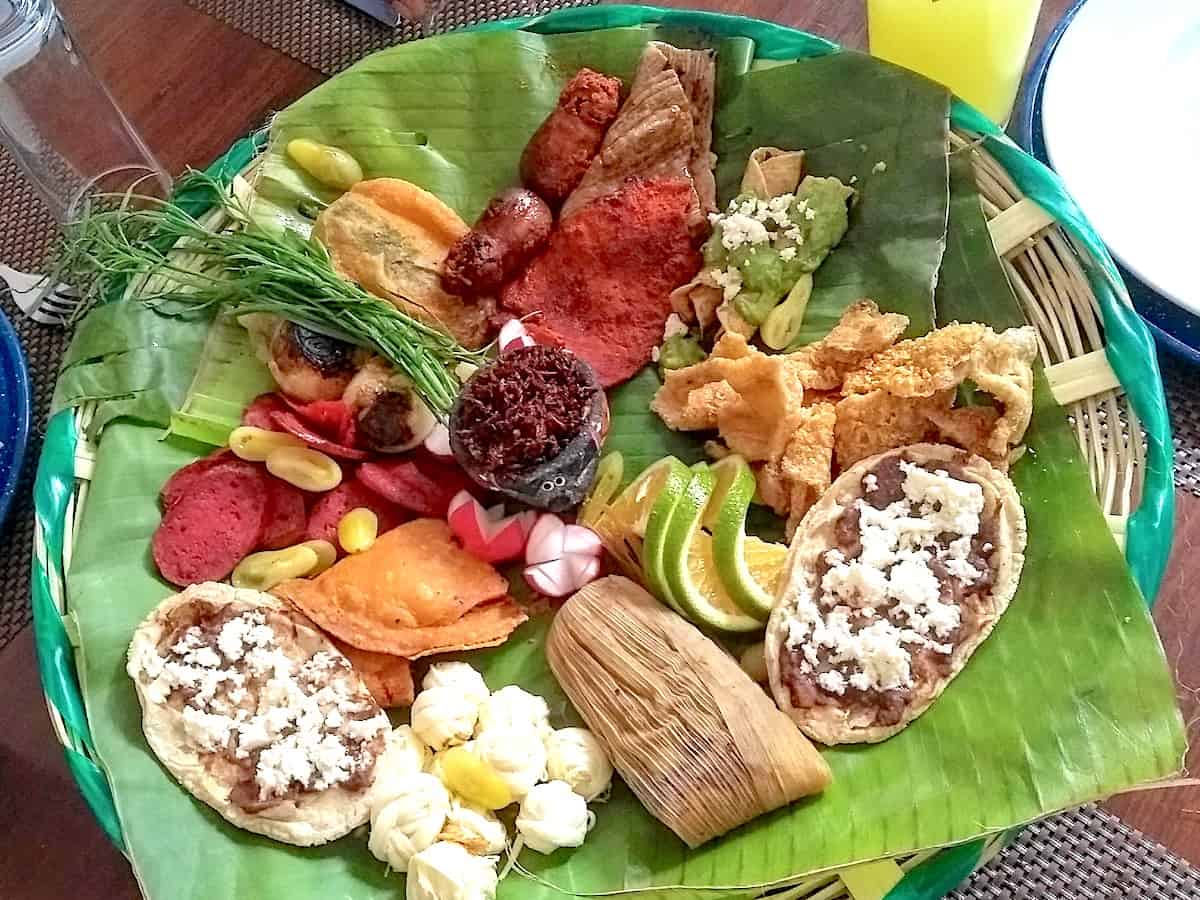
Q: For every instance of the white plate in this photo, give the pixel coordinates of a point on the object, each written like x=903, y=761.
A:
x=1121, y=118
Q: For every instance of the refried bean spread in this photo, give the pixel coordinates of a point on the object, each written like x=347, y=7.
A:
x=907, y=577
x=271, y=708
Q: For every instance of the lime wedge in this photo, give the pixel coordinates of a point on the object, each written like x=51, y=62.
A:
x=622, y=523
x=672, y=483
x=608, y=478
x=726, y=471
x=750, y=569
x=692, y=583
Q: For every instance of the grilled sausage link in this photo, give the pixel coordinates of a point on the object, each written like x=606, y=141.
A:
x=563, y=147
x=515, y=225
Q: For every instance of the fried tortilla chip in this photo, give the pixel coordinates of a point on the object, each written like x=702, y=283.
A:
x=412, y=578
x=697, y=301
x=919, y=367
x=391, y=237
x=794, y=482
x=487, y=625
x=388, y=678
x=862, y=332
x=871, y=423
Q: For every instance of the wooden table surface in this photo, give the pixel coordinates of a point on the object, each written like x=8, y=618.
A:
x=192, y=86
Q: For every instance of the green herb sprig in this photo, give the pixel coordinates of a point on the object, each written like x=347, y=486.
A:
x=174, y=261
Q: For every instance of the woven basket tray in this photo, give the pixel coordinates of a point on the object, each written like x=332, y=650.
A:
x=1099, y=361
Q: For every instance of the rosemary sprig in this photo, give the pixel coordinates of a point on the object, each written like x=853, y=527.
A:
x=173, y=260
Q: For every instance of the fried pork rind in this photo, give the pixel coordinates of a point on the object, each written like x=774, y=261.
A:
x=862, y=332
x=921, y=371
x=792, y=483
x=753, y=399
x=414, y=592
x=919, y=367
x=1002, y=365
x=387, y=677
x=768, y=408
x=871, y=423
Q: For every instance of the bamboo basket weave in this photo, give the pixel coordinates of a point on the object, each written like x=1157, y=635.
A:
x=1048, y=264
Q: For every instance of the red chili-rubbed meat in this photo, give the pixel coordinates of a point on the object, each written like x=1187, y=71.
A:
x=603, y=285
x=564, y=145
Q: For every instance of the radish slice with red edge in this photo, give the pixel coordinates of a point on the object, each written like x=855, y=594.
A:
x=438, y=442
x=552, y=579
x=561, y=558
x=513, y=335
x=546, y=541
x=487, y=534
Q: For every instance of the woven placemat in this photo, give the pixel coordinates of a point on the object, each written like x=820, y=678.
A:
x=1182, y=384
x=330, y=35
x=27, y=231
x=1085, y=854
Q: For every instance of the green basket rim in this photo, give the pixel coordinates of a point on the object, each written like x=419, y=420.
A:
x=1128, y=346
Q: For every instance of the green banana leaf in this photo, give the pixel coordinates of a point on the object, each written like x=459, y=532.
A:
x=1069, y=700
x=873, y=125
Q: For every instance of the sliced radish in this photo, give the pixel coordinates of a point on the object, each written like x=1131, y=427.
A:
x=578, y=540
x=561, y=558
x=437, y=442
x=488, y=534
x=582, y=569
x=513, y=335
x=552, y=579
x=546, y=541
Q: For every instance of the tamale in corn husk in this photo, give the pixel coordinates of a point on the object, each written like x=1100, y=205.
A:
x=698, y=742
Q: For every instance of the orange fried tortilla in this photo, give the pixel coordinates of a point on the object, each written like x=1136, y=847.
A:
x=413, y=577
x=387, y=677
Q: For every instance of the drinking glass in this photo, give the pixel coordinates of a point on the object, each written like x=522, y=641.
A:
x=58, y=121
x=977, y=48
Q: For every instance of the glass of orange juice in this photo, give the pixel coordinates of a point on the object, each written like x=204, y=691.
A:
x=975, y=47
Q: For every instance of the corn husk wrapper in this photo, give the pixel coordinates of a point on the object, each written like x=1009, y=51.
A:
x=696, y=740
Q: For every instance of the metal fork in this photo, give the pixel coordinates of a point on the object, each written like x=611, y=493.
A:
x=39, y=301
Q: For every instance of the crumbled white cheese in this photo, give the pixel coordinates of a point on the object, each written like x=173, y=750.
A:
x=739, y=229
x=892, y=573
x=729, y=280
x=787, y=254
x=832, y=681
x=947, y=503
x=880, y=166
x=210, y=731
x=810, y=213
x=655, y=354
x=855, y=584
x=294, y=729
